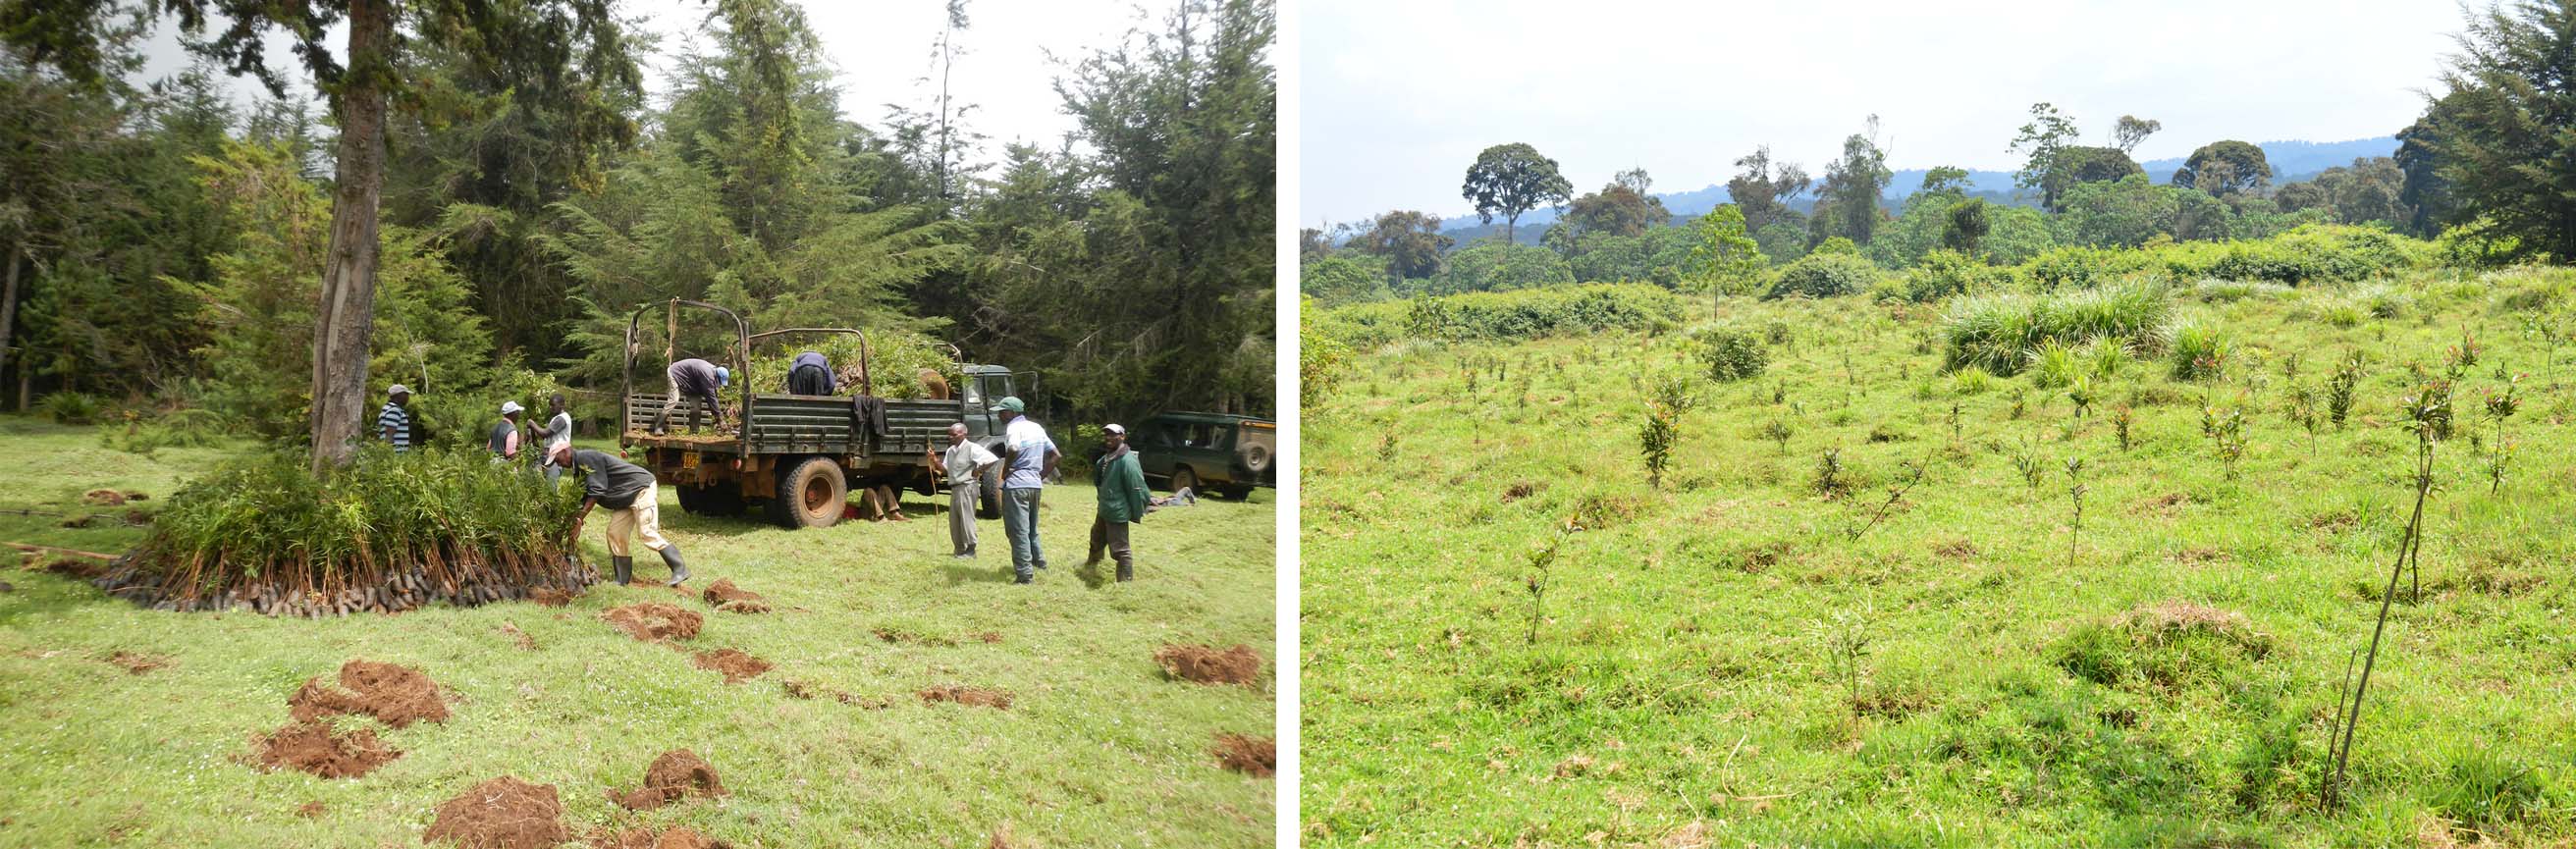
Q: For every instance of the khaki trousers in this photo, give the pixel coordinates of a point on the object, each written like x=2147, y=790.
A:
x=642, y=520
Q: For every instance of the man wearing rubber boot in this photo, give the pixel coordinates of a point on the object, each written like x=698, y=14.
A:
x=1121, y=482
x=1028, y=459
x=627, y=491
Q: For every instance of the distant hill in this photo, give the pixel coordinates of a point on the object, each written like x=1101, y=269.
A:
x=2292, y=161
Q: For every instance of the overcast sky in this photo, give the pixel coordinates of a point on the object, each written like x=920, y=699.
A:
x=883, y=50
x=1399, y=97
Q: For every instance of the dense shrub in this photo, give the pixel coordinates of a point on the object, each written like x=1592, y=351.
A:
x=1365, y=326
x=1497, y=267
x=2079, y=267
x=1945, y=273
x=1731, y=353
x=2312, y=253
x=1825, y=274
x=1548, y=311
x=1997, y=332
x=2199, y=350
x=893, y=361
x=72, y=408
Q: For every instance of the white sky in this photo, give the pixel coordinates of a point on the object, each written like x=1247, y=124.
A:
x=882, y=51
x=1399, y=97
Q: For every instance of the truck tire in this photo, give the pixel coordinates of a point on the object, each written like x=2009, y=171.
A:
x=718, y=500
x=988, y=505
x=1183, y=478
x=811, y=494
x=1255, y=457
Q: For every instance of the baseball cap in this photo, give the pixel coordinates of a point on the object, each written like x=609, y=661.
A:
x=723, y=375
x=508, y=407
x=1111, y=428
x=398, y=389
x=1011, y=403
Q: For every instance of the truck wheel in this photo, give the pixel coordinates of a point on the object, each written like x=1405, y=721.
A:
x=1183, y=478
x=811, y=495
x=1255, y=457
x=718, y=500
x=989, y=504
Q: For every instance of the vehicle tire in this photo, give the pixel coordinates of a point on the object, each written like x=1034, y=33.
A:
x=718, y=500
x=1183, y=477
x=812, y=494
x=1255, y=458
x=988, y=505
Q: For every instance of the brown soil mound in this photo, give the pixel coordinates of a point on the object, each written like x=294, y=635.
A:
x=103, y=498
x=977, y=696
x=518, y=636
x=990, y=636
x=503, y=813
x=723, y=591
x=743, y=607
x=1206, y=665
x=1256, y=756
x=550, y=597
x=309, y=745
x=137, y=663
x=736, y=666
x=677, y=774
x=679, y=837
x=310, y=810
x=653, y=621
x=396, y=695
x=798, y=689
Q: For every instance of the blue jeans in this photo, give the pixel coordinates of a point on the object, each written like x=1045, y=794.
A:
x=1020, y=523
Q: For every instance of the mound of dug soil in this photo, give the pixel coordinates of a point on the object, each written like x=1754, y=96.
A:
x=977, y=696
x=679, y=837
x=723, y=591
x=103, y=498
x=1255, y=756
x=395, y=695
x=1206, y=665
x=676, y=775
x=503, y=813
x=310, y=746
x=736, y=666
x=653, y=621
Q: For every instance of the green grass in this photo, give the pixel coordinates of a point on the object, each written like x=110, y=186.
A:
x=1720, y=660
x=1098, y=748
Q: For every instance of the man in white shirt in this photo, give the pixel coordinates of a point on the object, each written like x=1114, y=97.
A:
x=558, y=434
x=1029, y=458
x=966, y=463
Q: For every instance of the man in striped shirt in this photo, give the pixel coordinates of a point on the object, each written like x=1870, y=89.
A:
x=394, y=421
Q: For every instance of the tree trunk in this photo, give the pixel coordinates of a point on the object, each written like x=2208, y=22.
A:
x=9, y=298
x=1511, y=227
x=346, y=314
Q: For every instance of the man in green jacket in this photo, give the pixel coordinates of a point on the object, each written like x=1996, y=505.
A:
x=1121, y=482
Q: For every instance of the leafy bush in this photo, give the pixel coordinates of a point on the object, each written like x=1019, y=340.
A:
x=72, y=408
x=1995, y=332
x=1945, y=273
x=893, y=363
x=1824, y=274
x=2199, y=350
x=1548, y=311
x=2079, y=267
x=2311, y=253
x=1731, y=354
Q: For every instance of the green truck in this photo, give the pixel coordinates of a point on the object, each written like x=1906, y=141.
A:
x=1208, y=452
x=796, y=458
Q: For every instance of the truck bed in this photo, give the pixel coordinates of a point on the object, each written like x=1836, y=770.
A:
x=805, y=424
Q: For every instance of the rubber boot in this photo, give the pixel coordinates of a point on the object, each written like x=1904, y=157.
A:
x=625, y=569
x=671, y=558
x=1126, y=571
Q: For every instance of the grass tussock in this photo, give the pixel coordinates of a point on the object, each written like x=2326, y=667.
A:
x=1998, y=333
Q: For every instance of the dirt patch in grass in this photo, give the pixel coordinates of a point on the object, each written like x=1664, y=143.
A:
x=976, y=696
x=870, y=703
x=796, y=689
x=395, y=695
x=1206, y=665
x=989, y=637
x=1254, y=756
x=736, y=666
x=653, y=621
x=2174, y=616
x=2167, y=505
x=518, y=636
x=677, y=837
x=310, y=745
x=79, y=521
x=550, y=596
x=1519, y=490
x=723, y=591
x=2200, y=556
x=1957, y=549
x=103, y=498
x=138, y=663
x=503, y=813
x=676, y=775
x=137, y=518
x=74, y=567
x=310, y=810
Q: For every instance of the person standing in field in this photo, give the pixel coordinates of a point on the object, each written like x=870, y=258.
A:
x=556, y=433
x=1028, y=458
x=966, y=463
x=811, y=374
x=1120, y=480
x=504, y=440
x=394, y=421
x=693, y=382
x=627, y=491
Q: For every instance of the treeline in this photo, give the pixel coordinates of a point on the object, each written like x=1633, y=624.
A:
x=2485, y=169
x=165, y=249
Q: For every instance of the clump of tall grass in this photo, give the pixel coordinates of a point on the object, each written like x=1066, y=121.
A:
x=1997, y=332
x=388, y=531
x=2199, y=350
x=72, y=408
x=2053, y=364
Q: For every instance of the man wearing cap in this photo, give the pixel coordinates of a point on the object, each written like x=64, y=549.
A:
x=1028, y=457
x=627, y=491
x=557, y=432
x=966, y=464
x=394, y=421
x=504, y=440
x=1121, y=482
x=694, y=381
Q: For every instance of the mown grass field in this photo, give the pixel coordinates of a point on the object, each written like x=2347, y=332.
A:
x=1098, y=748
x=1720, y=662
